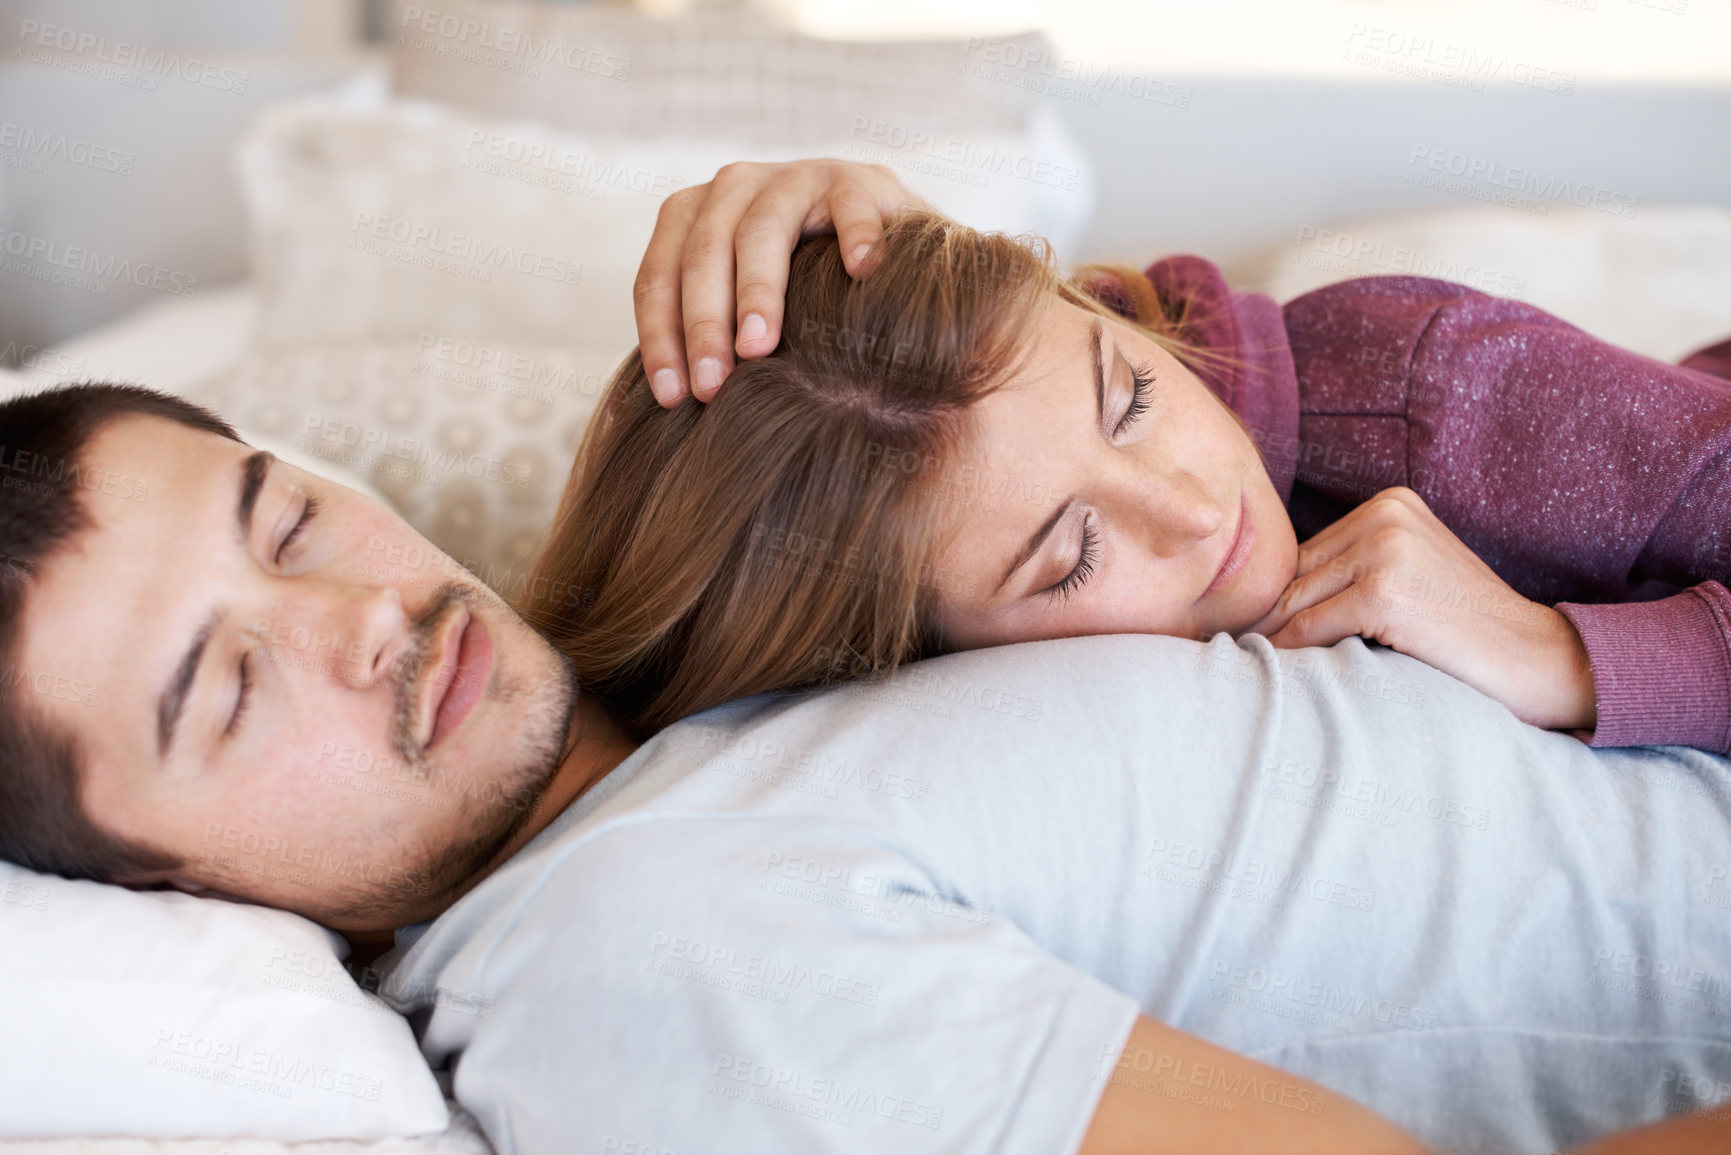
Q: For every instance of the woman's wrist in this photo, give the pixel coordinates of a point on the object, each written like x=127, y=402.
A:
x=1567, y=673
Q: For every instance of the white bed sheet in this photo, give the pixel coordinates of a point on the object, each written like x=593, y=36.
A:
x=463, y=1137
x=171, y=344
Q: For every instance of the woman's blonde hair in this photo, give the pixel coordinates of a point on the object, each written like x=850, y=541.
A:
x=782, y=536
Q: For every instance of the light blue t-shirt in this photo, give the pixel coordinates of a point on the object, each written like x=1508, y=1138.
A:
x=921, y=915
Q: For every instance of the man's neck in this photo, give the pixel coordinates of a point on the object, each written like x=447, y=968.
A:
x=595, y=744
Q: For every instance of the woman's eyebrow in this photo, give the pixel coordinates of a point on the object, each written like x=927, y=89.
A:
x=1034, y=543
x=1099, y=378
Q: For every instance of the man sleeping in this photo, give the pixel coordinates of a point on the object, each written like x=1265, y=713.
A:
x=1101, y=894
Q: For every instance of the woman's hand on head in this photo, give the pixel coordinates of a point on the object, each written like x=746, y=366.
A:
x=717, y=262
x=1390, y=570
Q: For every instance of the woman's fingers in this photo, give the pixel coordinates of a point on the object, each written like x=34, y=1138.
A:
x=656, y=296
x=861, y=200
x=1319, y=585
x=717, y=263
x=706, y=285
x=1339, y=614
x=1388, y=506
x=770, y=228
x=806, y=199
x=1372, y=544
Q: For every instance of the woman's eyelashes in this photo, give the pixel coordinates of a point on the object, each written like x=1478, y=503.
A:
x=1085, y=562
x=1141, y=390
x=1088, y=557
x=1141, y=393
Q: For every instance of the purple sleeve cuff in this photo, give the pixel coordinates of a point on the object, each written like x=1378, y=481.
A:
x=1661, y=670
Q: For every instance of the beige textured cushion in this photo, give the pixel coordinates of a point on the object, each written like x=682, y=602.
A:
x=720, y=70
x=470, y=442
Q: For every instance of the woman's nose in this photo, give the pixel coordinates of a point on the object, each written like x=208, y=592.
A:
x=1170, y=512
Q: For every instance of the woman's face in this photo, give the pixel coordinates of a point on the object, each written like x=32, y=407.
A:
x=1101, y=491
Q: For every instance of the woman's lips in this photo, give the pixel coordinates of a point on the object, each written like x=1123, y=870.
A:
x=468, y=680
x=1239, y=552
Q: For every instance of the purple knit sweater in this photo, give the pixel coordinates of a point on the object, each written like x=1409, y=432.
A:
x=1588, y=477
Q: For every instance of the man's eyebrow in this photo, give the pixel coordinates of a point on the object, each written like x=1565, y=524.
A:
x=1034, y=543
x=172, y=704
x=252, y=474
x=173, y=701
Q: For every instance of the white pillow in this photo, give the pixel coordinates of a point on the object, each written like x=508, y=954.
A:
x=388, y=221
x=1657, y=282
x=159, y=1015
x=12, y=382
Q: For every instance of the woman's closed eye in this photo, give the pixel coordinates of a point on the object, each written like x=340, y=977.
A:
x=1086, y=559
x=1141, y=391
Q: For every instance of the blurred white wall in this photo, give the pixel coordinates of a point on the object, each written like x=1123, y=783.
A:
x=117, y=123
x=1214, y=126
x=1599, y=41
x=1219, y=125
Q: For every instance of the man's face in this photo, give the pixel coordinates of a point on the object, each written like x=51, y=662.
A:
x=322, y=713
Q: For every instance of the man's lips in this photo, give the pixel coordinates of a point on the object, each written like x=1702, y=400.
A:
x=1243, y=538
x=458, y=679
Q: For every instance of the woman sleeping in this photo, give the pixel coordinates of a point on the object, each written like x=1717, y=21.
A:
x=966, y=449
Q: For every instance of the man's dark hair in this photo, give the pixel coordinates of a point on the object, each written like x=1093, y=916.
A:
x=43, y=825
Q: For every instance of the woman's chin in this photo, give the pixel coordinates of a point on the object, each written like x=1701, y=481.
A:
x=1257, y=603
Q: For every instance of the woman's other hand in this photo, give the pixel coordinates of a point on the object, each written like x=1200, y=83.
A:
x=717, y=262
x=1390, y=570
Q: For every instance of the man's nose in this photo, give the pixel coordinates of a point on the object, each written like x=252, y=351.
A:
x=360, y=629
x=1167, y=513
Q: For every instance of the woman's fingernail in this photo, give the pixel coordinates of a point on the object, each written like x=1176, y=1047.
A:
x=859, y=253
x=708, y=378
x=753, y=328
x=665, y=385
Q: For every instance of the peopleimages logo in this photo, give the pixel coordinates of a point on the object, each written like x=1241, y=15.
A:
x=797, y=1092
x=177, y=1051
x=1069, y=78
x=123, y=54
x=78, y=259
x=897, y=141
x=1461, y=65
x=38, y=145
x=484, y=254
x=1517, y=179
x=513, y=42
x=324, y=435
